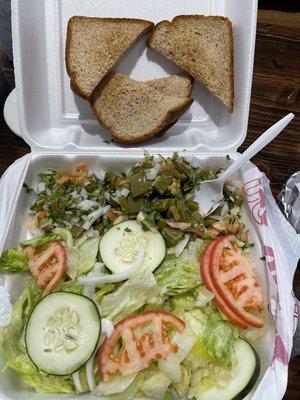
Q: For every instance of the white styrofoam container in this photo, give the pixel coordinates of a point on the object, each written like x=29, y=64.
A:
x=51, y=116
x=61, y=130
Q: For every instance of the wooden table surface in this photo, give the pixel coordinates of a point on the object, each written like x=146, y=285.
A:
x=275, y=92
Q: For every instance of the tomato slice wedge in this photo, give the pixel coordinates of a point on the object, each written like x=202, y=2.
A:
x=233, y=278
x=136, y=342
x=218, y=300
x=47, y=264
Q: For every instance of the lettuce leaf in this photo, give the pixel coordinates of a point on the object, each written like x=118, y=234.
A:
x=37, y=380
x=219, y=337
x=178, y=275
x=130, y=392
x=118, y=384
x=40, y=240
x=182, y=387
x=133, y=294
x=72, y=287
x=197, y=297
x=155, y=387
x=13, y=260
x=87, y=254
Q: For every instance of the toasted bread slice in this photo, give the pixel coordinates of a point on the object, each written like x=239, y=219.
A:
x=174, y=85
x=95, y=45
x=134, y=111
x=203, y=47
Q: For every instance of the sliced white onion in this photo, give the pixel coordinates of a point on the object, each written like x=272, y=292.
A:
x=36, y=232
x=107, y=327
x=122, y=276
x=99, y=173
x=122, y=192
x=41, y=187
x=89, y=291
x=141, y=218
x=107, y=196
x=152, y=173
x=171, y=367
x=48, y=192
x=225, y=209
x=90, y=374
x=5, y=307
x=86, y=205
x=185, y=341
x=93, y=216
x=84, y=193
x=178, y=249
x=77, y=383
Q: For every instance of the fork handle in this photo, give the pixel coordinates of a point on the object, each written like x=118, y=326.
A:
x=255, y=147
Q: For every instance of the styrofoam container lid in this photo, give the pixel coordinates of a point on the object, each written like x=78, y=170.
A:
x=52, y=117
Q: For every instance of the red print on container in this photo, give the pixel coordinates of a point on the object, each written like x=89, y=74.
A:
x=256, y=200
x=270, y=260
x=280, y=352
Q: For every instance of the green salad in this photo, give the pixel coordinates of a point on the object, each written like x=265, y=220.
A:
x=131, y=292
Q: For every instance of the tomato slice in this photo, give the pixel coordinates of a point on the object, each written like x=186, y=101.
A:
x=136, y=342
x=218, y=300
x=233, y=278
x=47, y=264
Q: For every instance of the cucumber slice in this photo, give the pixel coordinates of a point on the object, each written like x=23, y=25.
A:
x=119, y=247
x=62, y=332
x=246, y=374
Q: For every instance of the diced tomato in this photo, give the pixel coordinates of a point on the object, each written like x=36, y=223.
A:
x=129, y=350
x=78, y=174
x=31, y=223
x=218, y=300
x=41, y=214
x=233, y=278
x=110, y=215
x=47, y=264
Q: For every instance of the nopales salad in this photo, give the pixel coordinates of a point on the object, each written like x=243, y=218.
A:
x=131, y=293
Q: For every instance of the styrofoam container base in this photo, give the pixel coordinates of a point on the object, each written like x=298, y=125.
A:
x=11, y=387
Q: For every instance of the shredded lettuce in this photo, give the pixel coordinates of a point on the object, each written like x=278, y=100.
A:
x=219, y=337
x=87, y=254
x=155, y=387
x=119, y=384
x=182, y=387
x=64, y=235
x=71, y=286
x=197, y=297
x=13, y=260
x=178, y=275
x=132, y=295
x=39, y=381
x=105, y=289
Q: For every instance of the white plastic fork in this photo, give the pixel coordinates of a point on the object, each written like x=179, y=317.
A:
x=210, y=194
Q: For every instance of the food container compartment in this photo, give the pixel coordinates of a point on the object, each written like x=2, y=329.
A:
x=10, y=386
